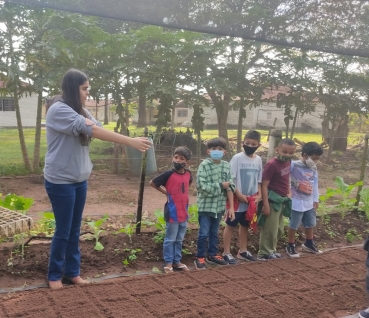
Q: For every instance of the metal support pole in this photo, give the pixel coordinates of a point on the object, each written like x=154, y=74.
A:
x=362, y=170
x=142, y=187
x=274, y=138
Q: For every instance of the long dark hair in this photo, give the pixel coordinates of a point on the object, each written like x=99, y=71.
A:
x=71, y=82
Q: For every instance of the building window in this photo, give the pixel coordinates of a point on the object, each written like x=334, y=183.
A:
x=7, y=104
x=182, y=113
x=269, y=115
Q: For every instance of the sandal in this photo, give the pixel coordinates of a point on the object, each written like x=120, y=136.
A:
x=76, y=280
x=181, y=267
x=168, y=270
x=55, y=284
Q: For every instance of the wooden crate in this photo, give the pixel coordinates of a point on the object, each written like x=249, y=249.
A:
x=12, y=222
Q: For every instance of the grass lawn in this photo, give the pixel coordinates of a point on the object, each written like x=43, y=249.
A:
x=11, y=162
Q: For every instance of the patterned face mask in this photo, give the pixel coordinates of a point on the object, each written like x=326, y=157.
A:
x=283, y=158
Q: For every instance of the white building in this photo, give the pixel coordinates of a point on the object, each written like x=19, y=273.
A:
x=28, y=110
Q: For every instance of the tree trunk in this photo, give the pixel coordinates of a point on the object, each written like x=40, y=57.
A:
x=198, y=148
x=294, y=123
x=142, y=107
x=341, y=134
x=240, y=123
x=106, y=109
x=26, y=160
x=36, y=151
x=14, y=67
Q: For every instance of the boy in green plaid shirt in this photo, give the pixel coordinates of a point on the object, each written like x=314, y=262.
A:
x=214, y=185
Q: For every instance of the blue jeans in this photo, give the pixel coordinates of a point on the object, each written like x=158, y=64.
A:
x=307, y=218
x=209, y=227
x=172, y=246
x=68, y=201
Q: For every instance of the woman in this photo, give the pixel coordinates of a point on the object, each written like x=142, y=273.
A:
x=69, y=129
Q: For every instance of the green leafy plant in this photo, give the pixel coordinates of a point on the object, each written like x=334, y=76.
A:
x=186, y=251
x=344, y=191
x=364, y=198
x=351, y=235
x=132, y=255
x=95, y=226
x=193, y=213
x=129, y=229
x=323, y=208
x=160, y=225
x=16, y=202
x=45, y=225
x=20, y=239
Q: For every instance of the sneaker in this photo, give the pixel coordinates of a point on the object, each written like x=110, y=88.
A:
x=216, y=260
x=277, y=255
x=291, y=251
x=364, y=313
x=246, y=256
x=229, y=258
x=266, y=257
x=311, y=249
x=200, y=263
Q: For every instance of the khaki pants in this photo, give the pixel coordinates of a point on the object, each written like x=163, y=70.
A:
x=271, y=232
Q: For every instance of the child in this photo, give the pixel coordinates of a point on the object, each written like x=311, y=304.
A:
x=275, y=191
x=214, y=185
x=305, y=197
x=246, y=168
x=365, y=313
x=174, y=184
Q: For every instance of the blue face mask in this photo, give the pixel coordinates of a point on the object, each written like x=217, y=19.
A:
x=216, y=154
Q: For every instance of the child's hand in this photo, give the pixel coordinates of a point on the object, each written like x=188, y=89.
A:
x=316, y=205
x=242, y=198
x=257, y=198
x=225, y=185
x=230, y=214
x=266, y=209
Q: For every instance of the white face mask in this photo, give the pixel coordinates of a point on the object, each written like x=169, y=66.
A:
x=310, y=163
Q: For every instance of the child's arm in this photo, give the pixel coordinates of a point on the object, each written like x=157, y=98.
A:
x=316, y=192
x=160, y=189
x=259, y=196
x=209, y=189
x=241, y=197
x=231, y=206
x=264, y=194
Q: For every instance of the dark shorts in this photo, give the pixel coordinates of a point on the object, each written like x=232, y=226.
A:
x=239, y=218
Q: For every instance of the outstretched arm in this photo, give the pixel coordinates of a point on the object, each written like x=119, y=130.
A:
x=140, y=143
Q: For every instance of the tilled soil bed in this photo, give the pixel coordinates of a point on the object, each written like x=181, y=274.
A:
x=327, y=285
x=17, y=272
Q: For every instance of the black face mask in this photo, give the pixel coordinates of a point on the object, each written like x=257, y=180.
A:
x=249, y=150
x=179, y=166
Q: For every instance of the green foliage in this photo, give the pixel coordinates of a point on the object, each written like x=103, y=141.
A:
x=132, y=255
x=16, y=202
x=129, y=229
x=364, y=198
x=351, y=235
x=45, y=225
x=95, y=226
x=344, y=191
x=20, y=239
x=193, y=214
x=160, y=225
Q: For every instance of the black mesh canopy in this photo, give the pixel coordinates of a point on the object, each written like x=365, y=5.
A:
x=334, y=26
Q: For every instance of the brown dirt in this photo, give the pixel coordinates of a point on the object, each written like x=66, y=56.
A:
x=312, y=286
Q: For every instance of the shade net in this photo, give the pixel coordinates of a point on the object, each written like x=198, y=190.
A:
x=333, y=26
